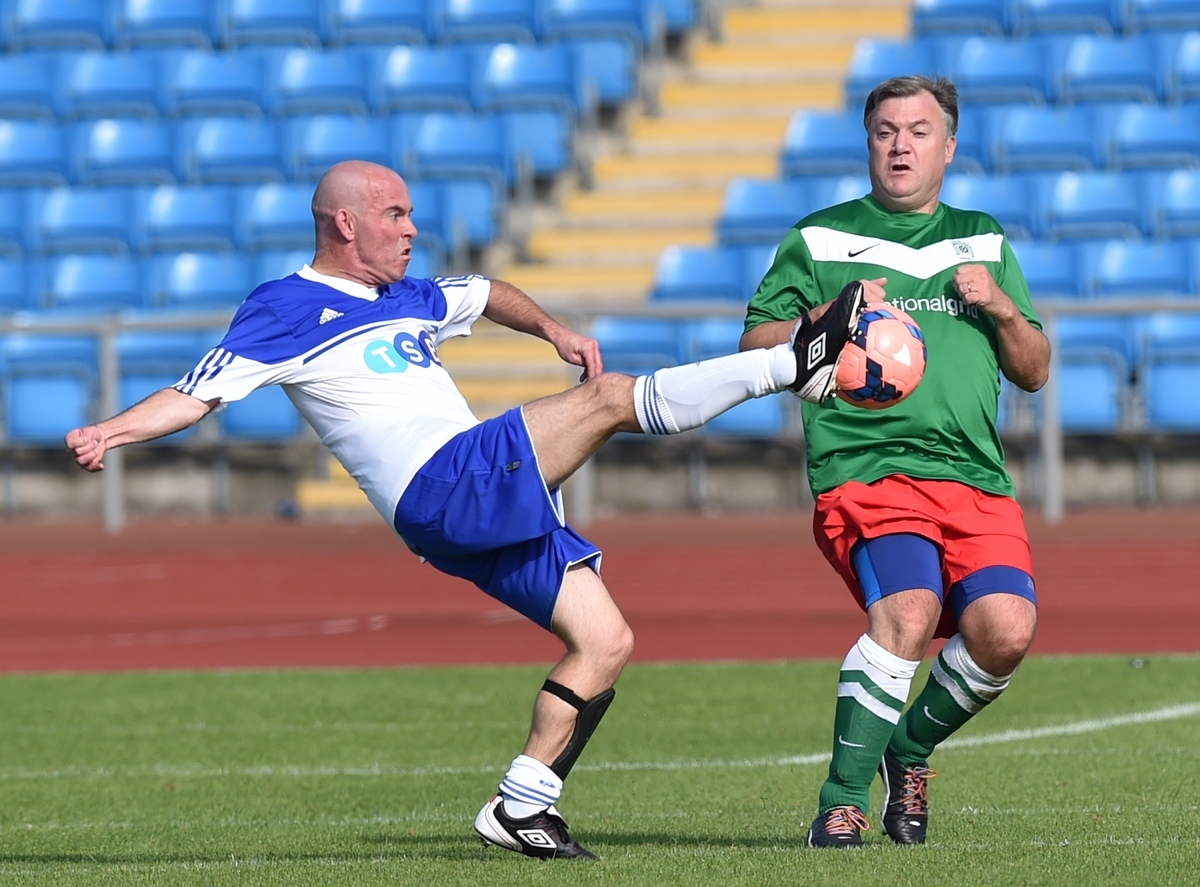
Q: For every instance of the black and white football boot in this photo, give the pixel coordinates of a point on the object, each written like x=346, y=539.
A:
x=542, y=836
x=905, y=800
x=819, y=343
x=838, y=827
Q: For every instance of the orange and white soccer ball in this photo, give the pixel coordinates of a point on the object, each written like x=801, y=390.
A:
x=884, y=361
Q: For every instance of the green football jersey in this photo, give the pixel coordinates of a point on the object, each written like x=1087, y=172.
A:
x=946, y=429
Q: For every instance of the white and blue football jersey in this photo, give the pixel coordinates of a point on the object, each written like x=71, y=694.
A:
x=360, y=364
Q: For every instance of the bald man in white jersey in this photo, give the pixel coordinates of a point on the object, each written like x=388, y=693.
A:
x=354, y=344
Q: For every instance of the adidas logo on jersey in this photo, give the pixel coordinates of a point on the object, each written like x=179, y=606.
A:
x=329, y=314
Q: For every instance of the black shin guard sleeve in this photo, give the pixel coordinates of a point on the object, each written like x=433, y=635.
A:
x=590, y=714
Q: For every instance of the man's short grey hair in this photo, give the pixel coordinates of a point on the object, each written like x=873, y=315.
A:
x=944, y=91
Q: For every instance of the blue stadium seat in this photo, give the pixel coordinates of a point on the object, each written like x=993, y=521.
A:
x=1109, y=69
x=111, y=84
x=272, y=21
x=1046, y=138
x=312, y=81
x=637, y=345
x=229, y=149
x=58, y=23
x=1094, y=204
x=378, y=21
x=709, y=337
x=266, y=415
x=629, y=20
x=429, y=215
x=824, y=143
x=877, y=60
x=461, y=145
x=1113, y=336
x=1120, y=268
x=403, y=127
x=184, y=217
x=14, y=293
x=991, y=69
x=150, y=361
x=537, y=140
x=313, y=144
x=279, y=263
x=485, y=20
x=763, y=417
x=688, y=273
x=514, y=76
x=607, y=66
x=165, y=23
x=1173, y=15
x=762, y=211
x=1171, y=392
x=12, y=223
x=960, y=16
x=275, y=216
x=757, y=259
x=1154, y=135
x=1091, y=390
x=1183, y=77
x=425, y=262
x=201, y=82
x=48, y=385
x=1098, y=16
x=1175, y=203
x=92, y=284
x=473, y=211
x=79, y=220
x=31, y=154
x=1052, y=270
x=677, y=15
x=436, y=78
x=27, y=87
x=198, y=281
x=1170, y=335
x=1006, y=198
x=122, y=152
x=972, y=151
x=826, y=191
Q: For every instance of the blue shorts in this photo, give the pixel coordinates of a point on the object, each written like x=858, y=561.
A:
x=898, y=562
x=479, y=509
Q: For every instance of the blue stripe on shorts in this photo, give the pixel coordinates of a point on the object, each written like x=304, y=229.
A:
x=479, y=509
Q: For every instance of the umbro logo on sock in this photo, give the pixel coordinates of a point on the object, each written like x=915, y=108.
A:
x=329, y=314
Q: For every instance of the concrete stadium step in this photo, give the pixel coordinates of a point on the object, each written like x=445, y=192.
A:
x=619, y=247
x=815, y=24
x=708, y=136
x=572, y=284
x=624, y=208
x=754, y=62
x=623, y=172
x=717, y=99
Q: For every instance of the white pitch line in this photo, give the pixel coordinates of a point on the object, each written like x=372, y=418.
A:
x=1075, y=728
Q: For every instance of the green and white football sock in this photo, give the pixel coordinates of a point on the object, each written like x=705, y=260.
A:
x=680, y=398
x=956, y=691
x=872, y=690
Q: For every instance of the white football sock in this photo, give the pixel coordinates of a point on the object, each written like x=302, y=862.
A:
x=680, y=398
x=529, y=787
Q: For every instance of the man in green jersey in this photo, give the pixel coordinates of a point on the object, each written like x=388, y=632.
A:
x=914, y=506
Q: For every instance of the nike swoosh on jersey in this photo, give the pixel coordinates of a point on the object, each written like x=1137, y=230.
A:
x=852, y=253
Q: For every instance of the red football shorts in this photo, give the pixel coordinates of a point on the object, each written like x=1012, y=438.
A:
x=972, y=530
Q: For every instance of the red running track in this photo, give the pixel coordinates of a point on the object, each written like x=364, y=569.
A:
x=273, y=593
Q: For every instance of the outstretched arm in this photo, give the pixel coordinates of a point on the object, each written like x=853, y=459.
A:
x=1024, y=349
x=510, y=307
x=163, y=412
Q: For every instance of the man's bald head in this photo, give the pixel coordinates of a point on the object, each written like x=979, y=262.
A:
x=363, y=219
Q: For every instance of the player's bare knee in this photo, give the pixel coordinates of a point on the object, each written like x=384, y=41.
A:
x=612, y=395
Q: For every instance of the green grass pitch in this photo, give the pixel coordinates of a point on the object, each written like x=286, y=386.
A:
x=1084, y=773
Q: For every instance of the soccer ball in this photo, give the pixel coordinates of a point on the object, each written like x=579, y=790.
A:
x=884, y=360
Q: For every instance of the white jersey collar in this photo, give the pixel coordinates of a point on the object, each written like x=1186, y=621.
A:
x=341, y=284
